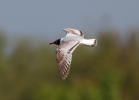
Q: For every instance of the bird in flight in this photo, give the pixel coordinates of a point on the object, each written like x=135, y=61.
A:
x=66, y=46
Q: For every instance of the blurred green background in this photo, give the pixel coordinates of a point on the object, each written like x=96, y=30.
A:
x=109, y=71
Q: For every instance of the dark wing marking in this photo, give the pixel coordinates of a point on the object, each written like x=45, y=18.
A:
x=71, y=32
x=64, y=56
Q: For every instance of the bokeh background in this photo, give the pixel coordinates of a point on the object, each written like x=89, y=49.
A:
x=28, y=69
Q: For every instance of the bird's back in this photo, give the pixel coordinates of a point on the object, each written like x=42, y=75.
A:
x=71, y=38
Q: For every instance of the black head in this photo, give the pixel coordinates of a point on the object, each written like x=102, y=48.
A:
x=57, y=42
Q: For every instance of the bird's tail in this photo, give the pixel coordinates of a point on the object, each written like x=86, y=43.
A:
x=90, y=42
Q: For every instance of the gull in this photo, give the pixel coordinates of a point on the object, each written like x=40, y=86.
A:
x=66, y=46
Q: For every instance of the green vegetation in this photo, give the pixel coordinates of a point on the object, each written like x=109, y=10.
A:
x=110, y=71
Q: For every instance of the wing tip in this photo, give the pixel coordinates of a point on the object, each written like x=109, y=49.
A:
x=64, y=74
x=63, y=78
x=72, y=30
x=82, y=35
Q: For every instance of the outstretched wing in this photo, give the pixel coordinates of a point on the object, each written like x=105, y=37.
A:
x=64, y=56
x=71, y=32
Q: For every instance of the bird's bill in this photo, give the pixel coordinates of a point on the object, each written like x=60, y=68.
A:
x=52, y=43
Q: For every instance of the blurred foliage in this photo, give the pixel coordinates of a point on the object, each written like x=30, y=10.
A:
x=110, y=71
